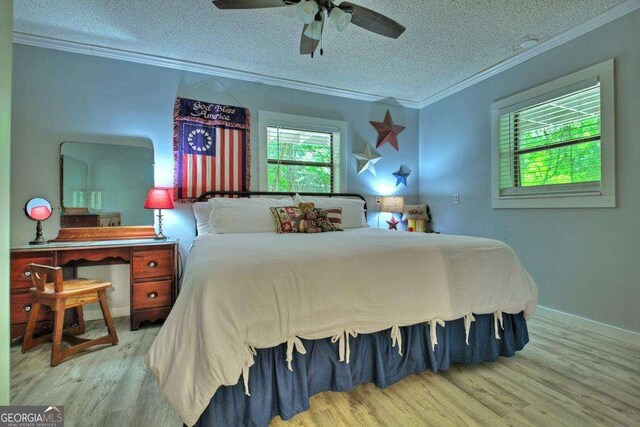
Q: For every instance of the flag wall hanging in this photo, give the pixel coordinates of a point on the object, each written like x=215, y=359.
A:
x=211, y=148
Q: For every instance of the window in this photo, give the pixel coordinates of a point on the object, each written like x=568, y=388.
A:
x=553, y=145
x=300, y=154
x=299, y=160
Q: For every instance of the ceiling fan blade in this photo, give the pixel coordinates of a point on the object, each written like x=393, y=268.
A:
x=307, y=44
x=372, y=21
x=252, y=4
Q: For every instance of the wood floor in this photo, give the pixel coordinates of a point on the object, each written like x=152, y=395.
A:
x=565, y=376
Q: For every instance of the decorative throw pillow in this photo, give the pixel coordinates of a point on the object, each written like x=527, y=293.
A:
x=322, y=220
x=334, y=215
x=286, y=218
x=414, y=212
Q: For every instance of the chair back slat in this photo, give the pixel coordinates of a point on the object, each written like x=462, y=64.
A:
x=43, y=274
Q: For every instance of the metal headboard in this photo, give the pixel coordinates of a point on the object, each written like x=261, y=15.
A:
x=210, y=194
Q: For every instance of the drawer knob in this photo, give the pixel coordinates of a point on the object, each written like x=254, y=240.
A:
x=152, y=264
x=27, y=273
x=27, y=308
x=153, y=295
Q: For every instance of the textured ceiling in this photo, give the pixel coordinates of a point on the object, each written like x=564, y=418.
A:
x=446, y=41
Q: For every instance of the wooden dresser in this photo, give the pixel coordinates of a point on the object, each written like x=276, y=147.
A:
x=153, y=278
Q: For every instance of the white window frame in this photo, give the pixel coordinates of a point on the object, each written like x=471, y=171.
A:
x=271, y=119
x=606, y=195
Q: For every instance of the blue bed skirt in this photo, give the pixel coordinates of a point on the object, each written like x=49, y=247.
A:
x=277, y=391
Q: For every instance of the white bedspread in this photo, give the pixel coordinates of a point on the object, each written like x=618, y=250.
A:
x=262, y=289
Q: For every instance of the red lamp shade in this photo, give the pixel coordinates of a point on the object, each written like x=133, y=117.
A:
x=158, y=198
x=40, y=213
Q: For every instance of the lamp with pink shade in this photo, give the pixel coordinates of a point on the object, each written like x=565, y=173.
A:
x=159, y=198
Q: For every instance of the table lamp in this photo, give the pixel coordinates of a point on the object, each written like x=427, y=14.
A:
x=392, y=205
x=159, y=198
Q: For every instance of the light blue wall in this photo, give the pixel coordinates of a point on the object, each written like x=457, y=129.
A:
x=60, y=96
x=6, y=17
x=585, y=261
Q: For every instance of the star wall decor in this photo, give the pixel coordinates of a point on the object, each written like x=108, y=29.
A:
x=393, y=223
x=367, y=159
x=387, y=131
x=401, y=176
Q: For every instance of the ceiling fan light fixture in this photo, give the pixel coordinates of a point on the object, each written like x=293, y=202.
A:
x=314, y=30
x=340, y=19
x=306, y=11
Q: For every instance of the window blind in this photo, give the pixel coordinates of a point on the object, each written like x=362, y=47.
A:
x=302, y=160
x=553, y=146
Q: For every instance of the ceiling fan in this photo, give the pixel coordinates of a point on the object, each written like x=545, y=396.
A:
x=313, y=14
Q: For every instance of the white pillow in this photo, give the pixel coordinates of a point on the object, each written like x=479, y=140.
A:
x=201, y=211
x=352, y=209
x=245, y=215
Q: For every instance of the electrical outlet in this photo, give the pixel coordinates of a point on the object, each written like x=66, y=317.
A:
x=456, y=198
x=377, y=200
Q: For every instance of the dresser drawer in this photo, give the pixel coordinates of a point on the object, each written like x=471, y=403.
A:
x=20, y=274
x=152, y=294
x=152, y=264
x=21, y=306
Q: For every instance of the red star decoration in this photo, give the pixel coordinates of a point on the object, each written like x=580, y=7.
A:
x=387, y=131
x=393, y=223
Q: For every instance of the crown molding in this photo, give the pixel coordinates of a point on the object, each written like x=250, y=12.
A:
x=178, y=64
x=600, y=20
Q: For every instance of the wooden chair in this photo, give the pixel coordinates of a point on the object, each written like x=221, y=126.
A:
x=51, y=290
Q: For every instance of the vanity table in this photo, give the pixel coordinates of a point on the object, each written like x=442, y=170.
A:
x=153, y=278
x=103, y=221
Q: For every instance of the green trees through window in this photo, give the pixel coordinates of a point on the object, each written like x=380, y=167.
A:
x=553, y=143
x=300, y=160
x=571, y=154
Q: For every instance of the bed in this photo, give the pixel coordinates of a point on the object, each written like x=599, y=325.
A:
x=264, y=320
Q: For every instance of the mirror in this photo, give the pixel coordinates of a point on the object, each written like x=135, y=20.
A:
x=38, y=209
x=105, y=185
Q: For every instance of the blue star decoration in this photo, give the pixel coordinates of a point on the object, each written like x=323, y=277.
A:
x=401, y=176
x=393, y=223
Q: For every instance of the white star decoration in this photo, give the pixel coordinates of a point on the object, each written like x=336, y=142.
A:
x=367, y=159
